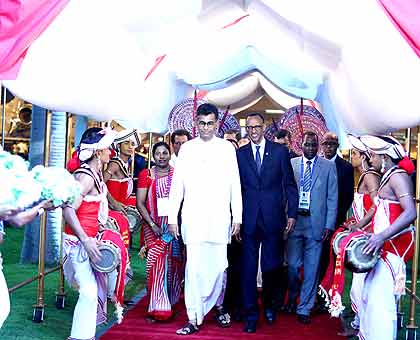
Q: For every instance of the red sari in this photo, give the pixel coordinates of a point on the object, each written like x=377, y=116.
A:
x=164, y=263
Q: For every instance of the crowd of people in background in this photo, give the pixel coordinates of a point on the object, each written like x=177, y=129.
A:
x=217, y=211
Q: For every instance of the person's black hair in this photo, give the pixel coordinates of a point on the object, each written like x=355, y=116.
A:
x=180, y=132
x=233, y=131
x=255, y=114
x=282, y=133
x=158, y=144
x=207, y=109
x=310, y=133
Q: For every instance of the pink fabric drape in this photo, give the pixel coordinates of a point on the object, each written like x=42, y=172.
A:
x=21, y=23
x=404, y=15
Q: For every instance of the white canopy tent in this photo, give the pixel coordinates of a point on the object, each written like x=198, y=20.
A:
x=133, y=60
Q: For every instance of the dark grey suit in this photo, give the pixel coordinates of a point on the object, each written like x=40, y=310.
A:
x=305, y=241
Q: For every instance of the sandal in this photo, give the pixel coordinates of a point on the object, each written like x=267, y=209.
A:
x=222, y=318
x=188, y=329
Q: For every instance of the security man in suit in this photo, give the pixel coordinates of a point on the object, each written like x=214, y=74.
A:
x=317, y=211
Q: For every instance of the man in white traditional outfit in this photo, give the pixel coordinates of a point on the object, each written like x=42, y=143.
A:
x=211, y=213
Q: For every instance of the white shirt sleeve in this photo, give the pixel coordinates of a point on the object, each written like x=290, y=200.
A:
x=236, y=195
x=176, y=193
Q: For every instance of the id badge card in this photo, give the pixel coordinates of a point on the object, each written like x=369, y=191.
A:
x=304, y=200
x=163, y=206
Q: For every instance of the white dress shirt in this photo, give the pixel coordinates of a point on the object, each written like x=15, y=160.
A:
x=332, y=159
x=262, y=148
x=206, y=177
x=172, y=161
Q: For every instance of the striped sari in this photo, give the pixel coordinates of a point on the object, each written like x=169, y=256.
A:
x=164, y=263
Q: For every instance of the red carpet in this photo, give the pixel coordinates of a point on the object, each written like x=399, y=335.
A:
x=135, y=326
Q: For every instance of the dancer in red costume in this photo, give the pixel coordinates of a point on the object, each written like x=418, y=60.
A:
x=84, y=221
x=119, y=181
x=118, y=176
x=367, y=189
x=165, y=265
x=333, y=282
x=394, y=212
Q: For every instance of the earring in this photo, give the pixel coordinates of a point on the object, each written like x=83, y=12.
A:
x=383, y=166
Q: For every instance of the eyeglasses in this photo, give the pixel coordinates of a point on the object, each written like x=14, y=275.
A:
x=208, y=124
x=255, y=127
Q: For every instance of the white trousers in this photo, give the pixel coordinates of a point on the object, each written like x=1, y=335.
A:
x=4, y=296
x=378, y=303
x=79, y=274
x=205, y=278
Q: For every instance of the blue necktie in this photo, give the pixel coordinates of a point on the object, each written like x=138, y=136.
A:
x=307, y=177
x=258, y=158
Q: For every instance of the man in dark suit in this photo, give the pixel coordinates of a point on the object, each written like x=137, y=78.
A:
x=266, y=174
x=345, y=180
x=345, y=175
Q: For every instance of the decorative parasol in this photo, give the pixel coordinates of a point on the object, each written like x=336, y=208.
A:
x=181, y=117
x=296, y=122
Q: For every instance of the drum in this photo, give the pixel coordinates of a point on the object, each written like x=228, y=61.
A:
x=355, y=260
x=110, y=257
x=337, y=240
x=134, y=219
x=111, y=224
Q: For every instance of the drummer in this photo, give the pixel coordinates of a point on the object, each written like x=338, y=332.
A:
x=119, y=180
x=118, y=176
x=83, y=220
x=395, y=211
x=367, y=189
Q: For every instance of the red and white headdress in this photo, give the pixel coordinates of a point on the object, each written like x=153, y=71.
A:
x=105, y=139
x=125, y=135
x=388, y=145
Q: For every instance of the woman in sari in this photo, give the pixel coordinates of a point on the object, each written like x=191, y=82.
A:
x=164, y=262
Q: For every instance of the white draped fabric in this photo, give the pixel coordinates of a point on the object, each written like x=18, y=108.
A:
x=95, y=57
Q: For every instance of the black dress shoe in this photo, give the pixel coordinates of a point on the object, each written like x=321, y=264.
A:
x=305, y=319
x=270, y=315
x=237, y=315
x=250, y=327
x=290, y=308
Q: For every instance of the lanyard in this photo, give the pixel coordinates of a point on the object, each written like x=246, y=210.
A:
x=313, y=162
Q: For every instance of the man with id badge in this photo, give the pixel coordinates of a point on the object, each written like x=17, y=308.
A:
x=317, y=210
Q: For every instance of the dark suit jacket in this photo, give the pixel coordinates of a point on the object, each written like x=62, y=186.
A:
x=264, y=192
x=345, y=177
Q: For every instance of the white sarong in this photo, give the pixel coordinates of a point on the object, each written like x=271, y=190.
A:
x=204, y=278
x=91, y=306
x=378, y=308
